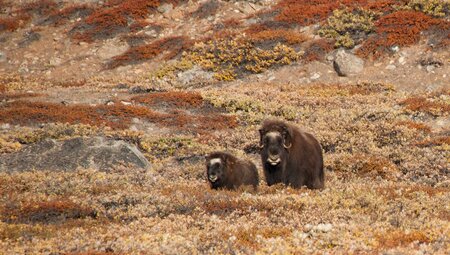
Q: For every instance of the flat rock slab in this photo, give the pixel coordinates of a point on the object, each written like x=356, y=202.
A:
x=68, y=155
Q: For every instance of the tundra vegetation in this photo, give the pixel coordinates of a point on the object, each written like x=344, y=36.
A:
x=386, y=151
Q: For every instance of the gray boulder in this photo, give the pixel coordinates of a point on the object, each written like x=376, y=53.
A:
x=346, y=64
x=68, y=155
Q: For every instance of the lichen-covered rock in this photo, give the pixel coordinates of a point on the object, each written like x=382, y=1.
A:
x=82, y=152
x=345, y=63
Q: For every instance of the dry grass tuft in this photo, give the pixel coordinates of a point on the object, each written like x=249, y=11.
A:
x=263, y=34
x=173, y=99
x=17, y=95
x=399, y=238
x=435, y=141
x=398, y=191
x=415, y=125
x=45, y=211
x=426, y=105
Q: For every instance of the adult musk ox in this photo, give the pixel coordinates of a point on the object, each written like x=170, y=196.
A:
x=290, y=156
x=226, y=171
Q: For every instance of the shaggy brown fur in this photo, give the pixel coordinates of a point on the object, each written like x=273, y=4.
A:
x=224, y=170
x=290, y=156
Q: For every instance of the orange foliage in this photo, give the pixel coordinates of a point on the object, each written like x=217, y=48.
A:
x=401, y=28
x=178, y=99
x=309, y=12
x=262, y=33
x=13, y=23
x=45, y=211
x=398, y=238
x=8, y=96
x=396, y=191
x=317, y=50
x=24, y=14
x=232, y=22
x=422, y=104
x=384, y=6
x=116, y=116
x=115, y=18
x=41, y=7
x=414, y=125
x=173, y=46
x=59, y=17
x=436, y=141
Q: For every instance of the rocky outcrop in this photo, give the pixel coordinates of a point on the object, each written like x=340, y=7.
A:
x=68, y=155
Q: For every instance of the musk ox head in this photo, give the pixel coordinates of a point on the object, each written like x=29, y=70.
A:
x=215, y=168
x=275, y=143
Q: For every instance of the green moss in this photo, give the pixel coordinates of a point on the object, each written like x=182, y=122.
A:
x=348, y=27
x=436, y=8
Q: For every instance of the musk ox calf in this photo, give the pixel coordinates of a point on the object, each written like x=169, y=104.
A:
x=226, y=171
x=290, y=156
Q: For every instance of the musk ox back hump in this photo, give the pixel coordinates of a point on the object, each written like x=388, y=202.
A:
x=224, y=170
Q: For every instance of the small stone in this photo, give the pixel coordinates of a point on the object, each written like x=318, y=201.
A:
x=324, y=227
x=401, y=60
x=55, y=61
x=2, y=57
x=125, y=103
x=395, y=48
x=391, y=67
x=430, y=68
x=164, y=8
x=5, y=126
x=315, y=76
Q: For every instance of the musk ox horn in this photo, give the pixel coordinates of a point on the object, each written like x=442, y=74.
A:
x=287, y=147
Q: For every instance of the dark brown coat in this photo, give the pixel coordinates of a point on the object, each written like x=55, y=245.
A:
x=224, y=170
x=290, y=156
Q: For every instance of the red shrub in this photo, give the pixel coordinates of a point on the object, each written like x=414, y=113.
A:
x=173, y=46
x=422, y=104
x=45, y=211
x=115, y=18
x=59, y=17
x=261, y=33
x=177, y=99
x=384, y=6
x=308, y=12
x=116, y=116
x=400, y=28
x=317, y=50
x=8, y=96
x=14, y=23
x=39, y=7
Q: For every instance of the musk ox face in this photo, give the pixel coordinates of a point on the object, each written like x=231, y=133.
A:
x=275, y=145
x=215, y=169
